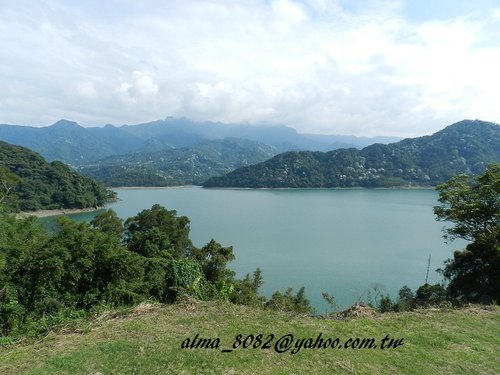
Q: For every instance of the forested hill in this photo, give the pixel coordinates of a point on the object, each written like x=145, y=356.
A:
x=179, y=166
x=464, y=147
x=76, y=145
x=28, y=182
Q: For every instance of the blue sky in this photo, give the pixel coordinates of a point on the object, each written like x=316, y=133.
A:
x=368, y=67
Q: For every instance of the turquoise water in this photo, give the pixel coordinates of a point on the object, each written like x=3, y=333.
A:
x=344, y=242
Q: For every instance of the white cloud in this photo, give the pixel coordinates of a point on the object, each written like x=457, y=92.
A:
x=316, y=65
x=87, y=90
x=287, y=14
x=495, y=14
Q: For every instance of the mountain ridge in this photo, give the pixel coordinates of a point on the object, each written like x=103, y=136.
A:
x=71, y=143
x=464, y=147
x=190, y=165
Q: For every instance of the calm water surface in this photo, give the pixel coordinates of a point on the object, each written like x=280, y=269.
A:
x=342, y=242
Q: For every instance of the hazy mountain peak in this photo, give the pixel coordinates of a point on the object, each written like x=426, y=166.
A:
x=65, y=124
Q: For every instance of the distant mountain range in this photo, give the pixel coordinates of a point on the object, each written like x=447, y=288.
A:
x=76, y=145
x=29, y=182
x=179, y=151
x=465, y=147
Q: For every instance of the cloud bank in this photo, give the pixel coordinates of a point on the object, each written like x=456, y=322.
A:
x=338, y=67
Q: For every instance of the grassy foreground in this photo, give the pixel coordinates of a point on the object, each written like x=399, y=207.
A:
x=148, y=341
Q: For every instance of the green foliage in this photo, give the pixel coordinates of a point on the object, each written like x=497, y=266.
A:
x=246, y=290
x=40, y=185
x=430, y=295
x=12, y=313
x=77, y=267
x=175, y=166
x=466, y=146
x=289, y=302
x=8, y=183
x=386, y=304
x=474, y=208
x=185, y=276
x=213, y=258
x=158, y=232
x=474, y=273
x=405, y=299
x=221, y=290
x=108, y=222
x=155, y=276
x=49, y=278
x=427, y=295
x=115, y=175
x=69, y=142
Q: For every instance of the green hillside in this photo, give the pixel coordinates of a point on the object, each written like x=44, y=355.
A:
x=69, y=142
x=76, y=145
x=464, y=147
x=148, y=340
x=30, y=183
x=175, y=166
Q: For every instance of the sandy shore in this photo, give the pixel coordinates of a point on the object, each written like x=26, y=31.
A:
x=66, y=211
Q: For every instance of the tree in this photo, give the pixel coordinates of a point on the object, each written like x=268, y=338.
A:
x=428, y=295
x=108, y=222
x=8, y=183
x=96, y=266
x=289, y=302
x=474, y=208
x=385, y=304
x=158, y=232
x=213, y=258
x=405, y=299
x=246, y=290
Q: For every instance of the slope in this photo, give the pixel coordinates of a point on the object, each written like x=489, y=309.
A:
x=465, y=147
x=41, y=185
x=148, y=341
x=174, y=166
x=69, y=142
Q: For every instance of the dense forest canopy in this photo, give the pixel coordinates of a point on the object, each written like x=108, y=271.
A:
x=190, y=165
x=28, y=182
x=464, y=147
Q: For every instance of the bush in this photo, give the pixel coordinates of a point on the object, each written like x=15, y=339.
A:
x=12, y=314
x=385, y=304
x=405, y=299
x=184, y=276
x=289, y=302
x=246, y=291
x=430, y=295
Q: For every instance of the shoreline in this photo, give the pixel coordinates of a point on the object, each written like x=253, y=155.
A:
x=57, y=212
x=273, y=188
x=151, y=187
x=323, y=188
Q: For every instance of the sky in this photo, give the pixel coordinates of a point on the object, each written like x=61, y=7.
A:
x=361, y=67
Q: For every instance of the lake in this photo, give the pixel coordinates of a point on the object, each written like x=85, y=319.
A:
x=346, y=242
